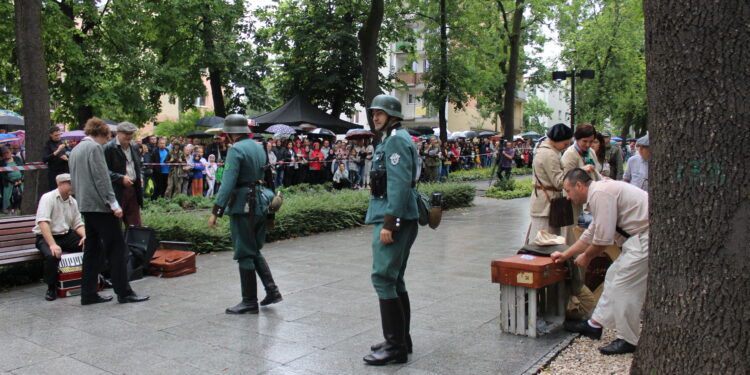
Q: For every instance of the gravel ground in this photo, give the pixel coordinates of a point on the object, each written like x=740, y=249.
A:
x=582, y=357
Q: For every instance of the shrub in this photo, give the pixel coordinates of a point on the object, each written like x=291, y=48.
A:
x=523, y=188
x=482, y=174
x=303, y=213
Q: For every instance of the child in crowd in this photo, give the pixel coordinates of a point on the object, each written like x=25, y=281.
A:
x=211, y=168
x=199, y=166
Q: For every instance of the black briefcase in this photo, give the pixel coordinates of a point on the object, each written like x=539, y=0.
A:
x=142, y=244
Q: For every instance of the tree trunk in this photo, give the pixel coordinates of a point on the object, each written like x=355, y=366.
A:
x=368, y=47
x=626, y=124
x=214, y=77
x=509, y=101
x=697, y=318
x=34, y=91
x=443, y=85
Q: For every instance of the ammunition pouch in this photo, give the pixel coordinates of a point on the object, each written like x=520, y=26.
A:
x=378, y=183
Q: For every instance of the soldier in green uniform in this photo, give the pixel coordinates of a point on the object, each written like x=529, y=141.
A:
x=393, y=210
x=244, y=173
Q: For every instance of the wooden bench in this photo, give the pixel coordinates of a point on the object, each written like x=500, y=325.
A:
x=17, y=241
x=531, y=288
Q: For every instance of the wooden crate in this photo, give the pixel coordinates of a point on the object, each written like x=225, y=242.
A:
x=520, y=307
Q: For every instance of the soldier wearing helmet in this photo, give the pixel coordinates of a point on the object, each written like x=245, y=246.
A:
x=244, y=198
x=393, y=211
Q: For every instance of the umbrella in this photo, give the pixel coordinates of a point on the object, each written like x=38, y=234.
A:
x=618, y=139
x=413, y=132
x=11, y=122
x=199, y=134
x=280, y=129
x=8, y=138
x=210, y=121
x=459, y=135
x=307, y=127
x=73, y=135
x=281, y=136
x=470, y=134
x=352, y=134
x=322, y=132
x=109, y=122
x=530, y=135
x=213, y=131
x=452, y=139
x=112, y=128
x=422, y=129
x=486, y=134
x=7, y=112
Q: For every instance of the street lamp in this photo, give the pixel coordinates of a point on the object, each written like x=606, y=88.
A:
x=561, y=75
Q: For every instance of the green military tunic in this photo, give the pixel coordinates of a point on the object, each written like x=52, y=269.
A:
x=244, y=164
x=396, y=210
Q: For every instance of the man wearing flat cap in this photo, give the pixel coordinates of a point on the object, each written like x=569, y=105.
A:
x=636, y=171
x=59, y=229
x=124, y=163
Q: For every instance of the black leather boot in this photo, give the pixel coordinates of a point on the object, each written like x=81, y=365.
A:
x=394, y=350
x=249, y=285
x=404, y=297
x=272, y=291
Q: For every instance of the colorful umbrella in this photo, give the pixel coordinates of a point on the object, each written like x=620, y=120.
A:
x=11, y=122
x=352, y=134
x=8, y=138
x=73, y=135
x=7, y=112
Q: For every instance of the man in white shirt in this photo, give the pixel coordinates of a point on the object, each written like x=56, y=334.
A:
x=620, y=215
x=59, y=229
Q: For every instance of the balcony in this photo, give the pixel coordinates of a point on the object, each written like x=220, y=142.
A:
x=411, y=79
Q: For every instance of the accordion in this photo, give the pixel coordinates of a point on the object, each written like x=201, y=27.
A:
x=69, y=273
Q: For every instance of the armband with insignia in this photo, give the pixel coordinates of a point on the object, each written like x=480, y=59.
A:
x=218, y=211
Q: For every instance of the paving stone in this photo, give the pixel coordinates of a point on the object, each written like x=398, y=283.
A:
x=17, y=353
x=60, y=365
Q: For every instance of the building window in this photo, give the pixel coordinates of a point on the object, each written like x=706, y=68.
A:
x=200, y=101
x=410, y=99
x=426, y=65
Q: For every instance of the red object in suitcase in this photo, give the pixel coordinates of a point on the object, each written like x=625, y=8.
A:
x=172, y=263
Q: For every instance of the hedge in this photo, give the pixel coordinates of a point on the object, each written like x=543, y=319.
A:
x=304, y=212
x=482, y=174
x=520, y=189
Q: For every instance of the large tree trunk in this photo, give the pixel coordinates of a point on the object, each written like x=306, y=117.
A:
x=34, y=91
x=214, y=77
x=509, y=101
x=697, y=312
x=443, y=84
x=368, y=47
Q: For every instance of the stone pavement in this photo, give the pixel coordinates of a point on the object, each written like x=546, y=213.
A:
x=325, y=324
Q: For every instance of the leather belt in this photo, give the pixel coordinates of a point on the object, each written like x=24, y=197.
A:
x=539, y=187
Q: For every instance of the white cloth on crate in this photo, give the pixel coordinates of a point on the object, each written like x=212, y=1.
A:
x=621, y=302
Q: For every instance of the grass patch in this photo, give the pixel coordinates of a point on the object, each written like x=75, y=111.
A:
x=510, y=189
x=482, y=174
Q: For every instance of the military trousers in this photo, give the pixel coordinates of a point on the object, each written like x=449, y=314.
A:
x=174, y=186
x=389, y=261
x=246, y=243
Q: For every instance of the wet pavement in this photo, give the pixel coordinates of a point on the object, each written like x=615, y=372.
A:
x=325, y=325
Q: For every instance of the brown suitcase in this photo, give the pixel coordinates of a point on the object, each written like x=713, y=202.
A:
x=528, y=271
x=172, y=263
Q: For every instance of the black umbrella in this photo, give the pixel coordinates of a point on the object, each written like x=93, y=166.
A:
x=413, y=132
x=322, y=132
x=210, y=121
x=486, y=134
x=199, y=134
x=109, y=122
x=11, y=122
x=470, y=134
x=423, y=130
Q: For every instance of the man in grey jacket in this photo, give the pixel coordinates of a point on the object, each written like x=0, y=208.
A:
x=101, y=213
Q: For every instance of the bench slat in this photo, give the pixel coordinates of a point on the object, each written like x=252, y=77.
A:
x=12, y=219
x=5, y=232
x=17, y=240
x=12, y=249
x=11, y=243
x=21, y=258
x=18, y=236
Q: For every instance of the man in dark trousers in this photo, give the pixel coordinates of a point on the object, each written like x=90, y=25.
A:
x=59, y=229
x=101, y=213
x=393, y=210
x=56, y=156
x=124, y=163
x=244, y=170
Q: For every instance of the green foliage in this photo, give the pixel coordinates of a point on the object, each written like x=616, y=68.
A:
x=607, y=36
x=482, y=174
x=505, y=184
x=183, y=126
x=534, y=110
x=521, y=189
x=304, y=212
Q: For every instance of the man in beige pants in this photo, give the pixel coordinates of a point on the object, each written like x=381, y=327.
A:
x=620, y=215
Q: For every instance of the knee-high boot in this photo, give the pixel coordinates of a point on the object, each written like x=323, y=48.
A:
x=249, y=285
x=394, y=350
x=406, y=306
x=264, y=272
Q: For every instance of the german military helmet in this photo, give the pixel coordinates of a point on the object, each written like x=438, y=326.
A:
x=235, y=124
x=388, y=104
